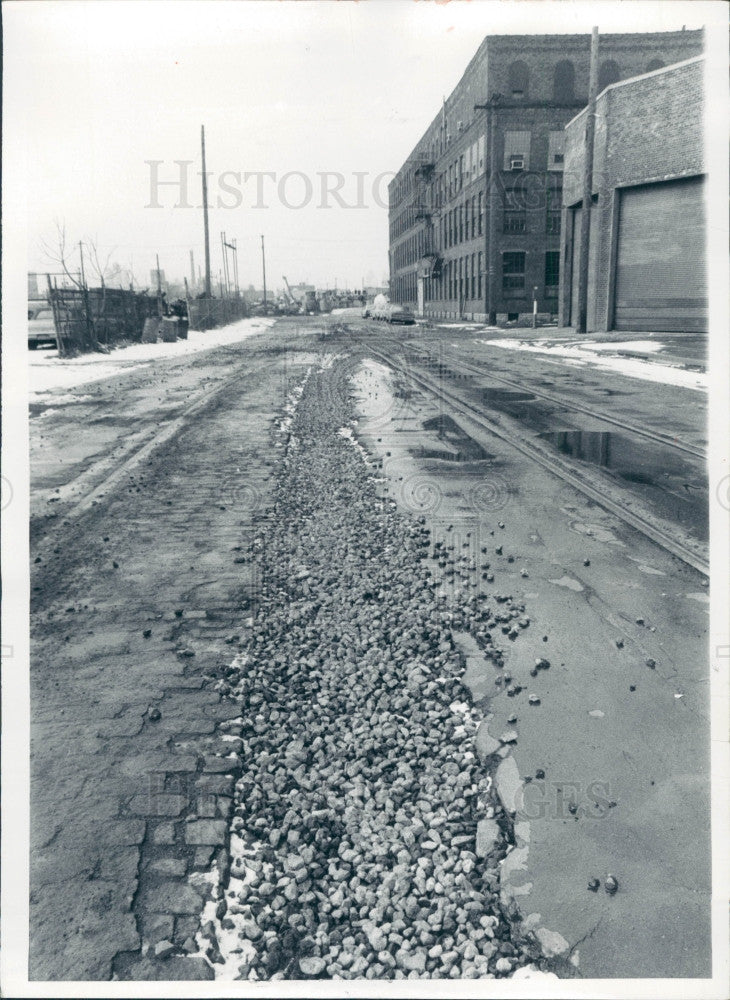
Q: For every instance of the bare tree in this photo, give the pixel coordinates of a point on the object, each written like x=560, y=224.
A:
x=59, y=253
x=101, y=268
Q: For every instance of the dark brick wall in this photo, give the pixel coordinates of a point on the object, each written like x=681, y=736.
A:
x=647, y=130
x=489, y=73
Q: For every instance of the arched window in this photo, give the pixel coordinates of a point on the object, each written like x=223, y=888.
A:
x=564, y=81
x=654, y=64
x=519, y=79
x=609, y=73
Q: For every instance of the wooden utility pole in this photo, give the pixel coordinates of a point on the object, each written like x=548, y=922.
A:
x=263, y=265
x=224, y=252
x=159, y=287
x=81, y=255
x=205, y=215
x=235, y=265
x=585, y=215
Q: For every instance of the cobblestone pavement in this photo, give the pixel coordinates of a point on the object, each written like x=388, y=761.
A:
x=160, y=845
x=133, y=611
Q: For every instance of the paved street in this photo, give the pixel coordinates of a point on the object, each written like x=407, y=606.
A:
x=159, y=498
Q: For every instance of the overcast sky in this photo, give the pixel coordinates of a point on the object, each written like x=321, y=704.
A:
x=289, y=88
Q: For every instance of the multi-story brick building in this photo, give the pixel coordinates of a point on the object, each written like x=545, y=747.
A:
x=475, y=210
x=646, y=259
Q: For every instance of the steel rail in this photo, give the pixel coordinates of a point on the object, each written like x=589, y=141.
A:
x=656, y=534
x=650, y=435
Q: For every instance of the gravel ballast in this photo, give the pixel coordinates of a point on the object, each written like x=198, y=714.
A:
x=366, y=833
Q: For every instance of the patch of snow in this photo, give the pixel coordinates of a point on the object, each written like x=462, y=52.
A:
x=585, y=356
x=48, y=372
x=596, y=531
x=701, y=597
x=569, y=582
x=645, y=346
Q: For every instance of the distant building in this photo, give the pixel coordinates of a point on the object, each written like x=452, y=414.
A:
x=34, y=291
x=462, y=246
x=647, y=233
x=370, y=291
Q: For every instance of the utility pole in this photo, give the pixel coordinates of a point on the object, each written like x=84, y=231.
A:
x=235, y=266
x=205, y=215
x=81, y=254
x=192, y=270
x=224, y=253
x=233, y=247
x=159, y=287
x=585, y=215
x=263, y=265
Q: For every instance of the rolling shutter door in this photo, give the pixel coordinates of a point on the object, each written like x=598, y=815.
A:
x=660, y=264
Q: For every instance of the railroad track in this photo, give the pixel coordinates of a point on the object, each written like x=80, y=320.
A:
x=650, y=435
x=683, y=549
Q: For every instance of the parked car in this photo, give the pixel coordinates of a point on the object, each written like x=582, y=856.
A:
x=400, y=314
x=41, y=328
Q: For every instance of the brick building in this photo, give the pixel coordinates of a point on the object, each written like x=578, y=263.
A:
x=647, y=230
x=474, y=212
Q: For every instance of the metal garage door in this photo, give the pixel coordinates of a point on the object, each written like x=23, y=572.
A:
x=660, y=263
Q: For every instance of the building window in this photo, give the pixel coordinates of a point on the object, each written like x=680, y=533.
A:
x=552, y=272
x=516, y=151
x=519, y=78
x=515, y=222
x=461, y=223
x=513, y=273
x=480, y=213
x=654, y=64
x=564, y=82
x=556, y=150
x=479, y=274
x=466, y=219
x=608, y=73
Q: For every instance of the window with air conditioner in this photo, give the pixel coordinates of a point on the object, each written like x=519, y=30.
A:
x=516, y=149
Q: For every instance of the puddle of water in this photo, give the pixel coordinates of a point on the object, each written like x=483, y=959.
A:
x=674, y=484
x=569, y=582
x=522, y=406
x=461, y=447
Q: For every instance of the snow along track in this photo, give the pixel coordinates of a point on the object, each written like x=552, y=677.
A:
x=664, y=439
